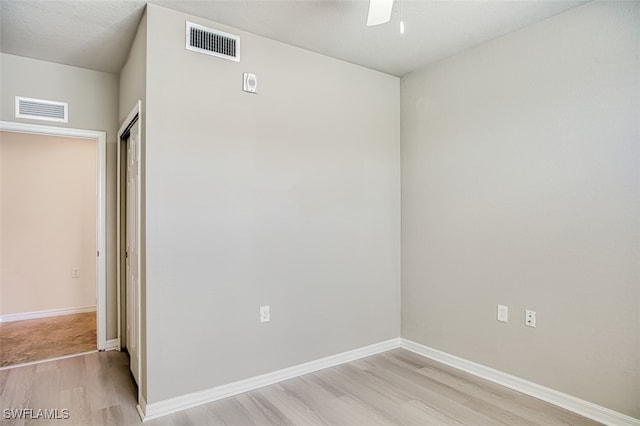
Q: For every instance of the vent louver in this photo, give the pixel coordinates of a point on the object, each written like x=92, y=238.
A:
x=213, y=42
x=39, y=109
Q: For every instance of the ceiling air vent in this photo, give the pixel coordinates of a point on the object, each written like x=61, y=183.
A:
x=39, y=109
x=213, y=42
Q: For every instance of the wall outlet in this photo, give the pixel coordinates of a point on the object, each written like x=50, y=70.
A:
x=265, y=313
x=75, y=272
x=503, y=313
x=529, y=318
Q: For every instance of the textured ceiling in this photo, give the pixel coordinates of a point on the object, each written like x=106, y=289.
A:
x=97, y=34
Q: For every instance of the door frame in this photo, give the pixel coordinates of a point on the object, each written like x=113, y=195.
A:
x=101, y=210
x=134, y=115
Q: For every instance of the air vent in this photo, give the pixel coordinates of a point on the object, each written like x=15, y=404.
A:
x=213, y=42
x=39, y=109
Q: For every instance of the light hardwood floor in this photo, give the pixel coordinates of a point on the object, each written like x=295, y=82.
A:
x=392, y=388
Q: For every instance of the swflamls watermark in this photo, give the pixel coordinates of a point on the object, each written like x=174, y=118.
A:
x=36, y=414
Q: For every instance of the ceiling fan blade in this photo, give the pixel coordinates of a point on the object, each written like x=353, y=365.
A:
x=379, y=12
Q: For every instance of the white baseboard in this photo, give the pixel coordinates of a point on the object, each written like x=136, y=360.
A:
x=568, y=402
x=112, y=345
x=162, y=408
x=45, y=314
x=141, y=407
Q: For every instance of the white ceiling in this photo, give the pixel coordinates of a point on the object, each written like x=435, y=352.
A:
x=97, y=34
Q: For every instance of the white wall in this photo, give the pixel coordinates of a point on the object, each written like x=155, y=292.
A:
x=290, y=197
x=133, y=87
x=521, y=186
x=93, y=105
x=48, y=222
x=133, y=76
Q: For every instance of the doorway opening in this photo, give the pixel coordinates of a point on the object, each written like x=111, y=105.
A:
x=52, y=242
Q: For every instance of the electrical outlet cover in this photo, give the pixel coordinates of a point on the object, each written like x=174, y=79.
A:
x=503, y=313
x=530, y=318
x=265, y=313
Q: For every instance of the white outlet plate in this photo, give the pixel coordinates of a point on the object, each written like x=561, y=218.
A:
x=503, y=313
x=75, y=272
x=529, y=318
x=265, y=313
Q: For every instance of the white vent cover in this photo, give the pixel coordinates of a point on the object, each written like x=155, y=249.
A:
x=213, y=42
x=39, y=109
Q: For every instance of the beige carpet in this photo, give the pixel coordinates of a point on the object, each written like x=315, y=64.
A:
x=38, y=339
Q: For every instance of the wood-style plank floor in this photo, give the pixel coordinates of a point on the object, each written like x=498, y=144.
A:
x=45, y=338
x=393, y=388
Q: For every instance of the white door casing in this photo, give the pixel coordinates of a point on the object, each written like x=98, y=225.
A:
x=133, y=249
